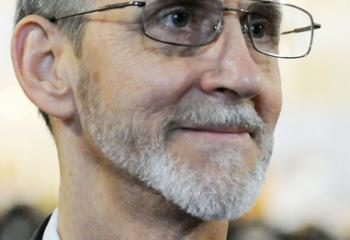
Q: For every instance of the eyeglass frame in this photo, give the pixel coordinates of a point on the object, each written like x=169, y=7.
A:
x=245, y=28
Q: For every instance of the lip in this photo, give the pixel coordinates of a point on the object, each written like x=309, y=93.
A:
x=219, y=131
x=217, y=137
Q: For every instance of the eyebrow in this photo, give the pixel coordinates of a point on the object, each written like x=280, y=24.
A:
x=271, y=9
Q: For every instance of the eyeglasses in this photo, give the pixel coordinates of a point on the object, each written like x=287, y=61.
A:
x=275, y=29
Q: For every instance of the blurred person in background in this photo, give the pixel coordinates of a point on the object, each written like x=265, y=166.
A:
x=163, y=112
x=256, y=229
x=19, y=223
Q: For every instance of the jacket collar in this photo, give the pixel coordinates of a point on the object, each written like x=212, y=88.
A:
x=39, y=233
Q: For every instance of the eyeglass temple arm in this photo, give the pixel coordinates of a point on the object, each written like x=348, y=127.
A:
x=105, y=8
x=315, y=26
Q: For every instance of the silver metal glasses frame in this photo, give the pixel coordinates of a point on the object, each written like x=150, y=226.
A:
x=218, y=28
x=312, y=27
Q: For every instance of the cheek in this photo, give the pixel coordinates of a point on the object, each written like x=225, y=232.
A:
x=134, y=79
x=146, y=81
x=269, y=101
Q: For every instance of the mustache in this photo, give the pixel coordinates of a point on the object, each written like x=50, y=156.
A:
x=240, y=115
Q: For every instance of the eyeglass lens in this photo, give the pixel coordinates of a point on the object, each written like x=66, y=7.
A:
x=182, y=22
x=274, y=29
x=280, y=30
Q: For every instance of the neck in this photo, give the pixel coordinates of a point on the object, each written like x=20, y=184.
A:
x=98, y=201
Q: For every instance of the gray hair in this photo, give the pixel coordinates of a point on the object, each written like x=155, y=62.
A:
x=73, y=27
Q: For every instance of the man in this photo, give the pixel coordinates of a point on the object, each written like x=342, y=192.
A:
x=162, y=111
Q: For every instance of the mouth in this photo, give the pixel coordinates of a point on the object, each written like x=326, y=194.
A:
x=221, y=131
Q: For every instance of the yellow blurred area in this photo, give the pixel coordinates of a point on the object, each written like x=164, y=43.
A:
x=309, y=177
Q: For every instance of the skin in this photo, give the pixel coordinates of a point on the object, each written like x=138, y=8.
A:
x=101, y=202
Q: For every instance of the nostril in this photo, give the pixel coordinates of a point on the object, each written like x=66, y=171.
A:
x=226, y=94
x=222, y=89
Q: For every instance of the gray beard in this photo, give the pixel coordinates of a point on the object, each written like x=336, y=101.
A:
x=225, y=193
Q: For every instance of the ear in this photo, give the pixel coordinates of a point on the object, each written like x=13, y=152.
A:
x=37, y=52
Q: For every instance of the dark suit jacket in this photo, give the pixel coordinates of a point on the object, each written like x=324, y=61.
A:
x=39, y=233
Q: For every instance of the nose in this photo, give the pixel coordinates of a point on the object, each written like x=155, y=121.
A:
x=233, y=69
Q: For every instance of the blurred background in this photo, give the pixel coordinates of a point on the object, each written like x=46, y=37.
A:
x=307, y=193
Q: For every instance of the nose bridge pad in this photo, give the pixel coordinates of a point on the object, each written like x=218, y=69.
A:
x=244, y=29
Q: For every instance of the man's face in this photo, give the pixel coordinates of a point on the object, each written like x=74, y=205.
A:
x=195, y=124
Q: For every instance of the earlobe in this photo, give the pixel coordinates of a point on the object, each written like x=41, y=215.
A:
x=36, y=54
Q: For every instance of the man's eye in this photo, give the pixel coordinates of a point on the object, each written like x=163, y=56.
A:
x=178, y=19
x=258, y=30
x=261, y=29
